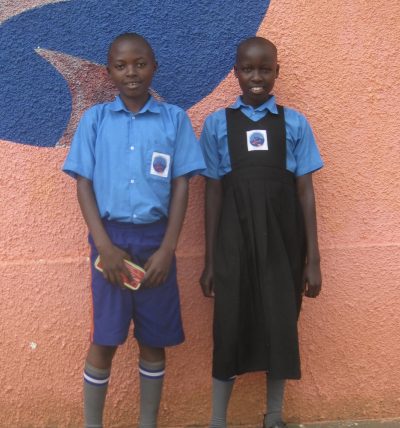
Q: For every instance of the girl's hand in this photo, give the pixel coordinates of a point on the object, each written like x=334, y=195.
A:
x=157, y=267
x=312, y=280
x=206, y=281
x=112, y=259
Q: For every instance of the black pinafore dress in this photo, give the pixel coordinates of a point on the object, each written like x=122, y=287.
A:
x=259, y=254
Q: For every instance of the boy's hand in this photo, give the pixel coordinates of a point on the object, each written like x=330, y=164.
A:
x=157, y=267
x=112, y=259
x=312, y=279
x=206, y=282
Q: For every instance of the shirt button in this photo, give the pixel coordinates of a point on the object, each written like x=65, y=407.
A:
x=133, y=117
x=134, y=215
x=132, y=148
x=132, y=181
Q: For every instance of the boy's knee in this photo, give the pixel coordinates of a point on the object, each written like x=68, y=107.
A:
x=151, y=354
x=101, y=356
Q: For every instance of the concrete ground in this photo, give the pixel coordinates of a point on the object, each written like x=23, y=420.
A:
x=386, y=423
x=393, y=423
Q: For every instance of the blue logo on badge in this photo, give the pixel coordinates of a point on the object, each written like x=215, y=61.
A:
x=52, y=57
x=257, y=139
x=159, y=164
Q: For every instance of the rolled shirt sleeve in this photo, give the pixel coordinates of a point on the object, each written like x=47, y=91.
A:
x=303, y=156
x=188, y=157
x=209, y=147
x=81, y=159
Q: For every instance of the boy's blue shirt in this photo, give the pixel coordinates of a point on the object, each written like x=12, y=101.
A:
x=302, y=154
x=132, y=158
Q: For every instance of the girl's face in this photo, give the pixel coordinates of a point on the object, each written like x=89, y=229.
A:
x=256, y=70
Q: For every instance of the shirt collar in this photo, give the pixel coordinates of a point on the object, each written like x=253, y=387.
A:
x=152, y=105
x=269, y=105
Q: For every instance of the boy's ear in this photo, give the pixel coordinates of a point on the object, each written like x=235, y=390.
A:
x=235, y=70
x=108, y=69
x=277, y=71
x=155, y=66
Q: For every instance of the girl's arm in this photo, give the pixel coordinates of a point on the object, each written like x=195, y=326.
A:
x=213, y=198
x=312, y=271
x=111, y=256
x=158, y=265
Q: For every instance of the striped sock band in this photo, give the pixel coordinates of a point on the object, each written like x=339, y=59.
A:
x=96, y=379
x=149, y=372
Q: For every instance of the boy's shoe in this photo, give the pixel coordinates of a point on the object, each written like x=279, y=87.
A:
x=279, y=424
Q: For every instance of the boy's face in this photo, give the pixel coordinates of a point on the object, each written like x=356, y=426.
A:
x=131, y=67
x=256, y=70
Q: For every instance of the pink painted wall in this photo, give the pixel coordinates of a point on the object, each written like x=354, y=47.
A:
x=339, y=65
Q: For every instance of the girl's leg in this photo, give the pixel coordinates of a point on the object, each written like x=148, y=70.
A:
x=221, y=393
x=275, y=392
x=95, y=383
x=151, y=371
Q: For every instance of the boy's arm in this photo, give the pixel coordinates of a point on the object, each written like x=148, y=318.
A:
x=312, y=272
x=158, y=265
x=111, y=256
x=213, y=198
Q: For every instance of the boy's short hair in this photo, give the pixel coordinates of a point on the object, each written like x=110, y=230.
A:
x=254, y=39
x=131, y=36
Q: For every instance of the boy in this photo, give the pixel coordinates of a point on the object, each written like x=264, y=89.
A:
x=261, y=234
x=132, y=159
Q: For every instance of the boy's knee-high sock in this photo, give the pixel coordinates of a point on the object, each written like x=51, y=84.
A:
x=151, y=383
x=221, y=393
x=95, y=383
x=275, y=391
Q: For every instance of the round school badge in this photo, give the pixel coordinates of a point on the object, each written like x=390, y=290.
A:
x=160, y=163
x=257, y=140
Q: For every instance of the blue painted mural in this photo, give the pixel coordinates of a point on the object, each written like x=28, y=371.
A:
x=194, y=42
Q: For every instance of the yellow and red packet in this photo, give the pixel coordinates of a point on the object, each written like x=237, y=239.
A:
x=137, y=274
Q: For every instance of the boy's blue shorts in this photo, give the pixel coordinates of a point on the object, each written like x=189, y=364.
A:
x=155, y=311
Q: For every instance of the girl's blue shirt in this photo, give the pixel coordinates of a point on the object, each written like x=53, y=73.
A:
x=302, y=154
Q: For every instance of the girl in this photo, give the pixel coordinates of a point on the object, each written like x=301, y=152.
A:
x=261, y=233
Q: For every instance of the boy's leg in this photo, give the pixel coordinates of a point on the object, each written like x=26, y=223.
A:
x=111, y=318
x=275, y=392
x=221, y=393
x=151, y=371
x=95, y=383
